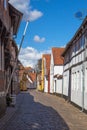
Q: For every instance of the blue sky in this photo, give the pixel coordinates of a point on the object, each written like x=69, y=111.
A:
x=52, y=25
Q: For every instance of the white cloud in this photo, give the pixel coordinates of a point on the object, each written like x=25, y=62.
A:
x=38, y=39
x=25, y=8
x=29, y=56
x=34, y=15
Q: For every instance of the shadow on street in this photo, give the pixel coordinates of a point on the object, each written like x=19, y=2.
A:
x=32, y=115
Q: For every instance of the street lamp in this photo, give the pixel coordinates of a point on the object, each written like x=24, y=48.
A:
x=17, y=56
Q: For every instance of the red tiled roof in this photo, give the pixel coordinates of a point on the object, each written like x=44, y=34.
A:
x=32, y=76
x=47, y=57
x=27, y=68
x=58, y=59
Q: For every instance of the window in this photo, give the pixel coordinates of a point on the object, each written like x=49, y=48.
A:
x=80, y=40
x=86, y=39
x=83, y=40
x=78, y=44
x=71, y=50
x=5, y=4
x=76, y=47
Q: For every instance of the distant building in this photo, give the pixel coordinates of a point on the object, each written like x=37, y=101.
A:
x=27, y=78
x=39, y=81
x=46, y=72
x=21, y=70
x=31, y=82
x=39, y=74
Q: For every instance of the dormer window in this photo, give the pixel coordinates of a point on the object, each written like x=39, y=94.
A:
x=5, y=4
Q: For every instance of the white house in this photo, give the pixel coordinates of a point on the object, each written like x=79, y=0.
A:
x=56, y=67
x=75, y=68
x=46, y=70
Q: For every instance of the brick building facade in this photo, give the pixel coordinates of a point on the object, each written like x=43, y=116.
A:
x=9, y=23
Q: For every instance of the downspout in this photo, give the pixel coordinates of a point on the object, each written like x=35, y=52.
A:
x=83, y=88
x=55, y=86
x=62, y=86
x=83, y=73
x=62, y=82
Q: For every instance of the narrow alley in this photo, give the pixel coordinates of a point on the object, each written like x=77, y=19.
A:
x=40, y=111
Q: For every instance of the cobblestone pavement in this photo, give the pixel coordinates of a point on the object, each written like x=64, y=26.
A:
x=40, y=111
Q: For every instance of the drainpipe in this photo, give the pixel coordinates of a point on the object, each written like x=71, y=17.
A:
x=55, y=86
x=62, y=87
x=83, y=88
x=83, y=75
x=62, y=81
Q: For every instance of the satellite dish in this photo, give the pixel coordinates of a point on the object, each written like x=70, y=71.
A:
x=79, y=15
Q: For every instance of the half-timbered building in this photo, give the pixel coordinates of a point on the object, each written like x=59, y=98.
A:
x=75, y=68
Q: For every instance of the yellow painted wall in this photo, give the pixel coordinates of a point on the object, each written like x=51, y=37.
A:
x=39, y=87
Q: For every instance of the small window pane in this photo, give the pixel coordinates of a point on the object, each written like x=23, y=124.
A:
x=5, y=4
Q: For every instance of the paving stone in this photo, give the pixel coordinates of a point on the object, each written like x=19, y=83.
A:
x=40, y=111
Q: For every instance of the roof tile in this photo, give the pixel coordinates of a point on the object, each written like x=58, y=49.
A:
x=58, y=59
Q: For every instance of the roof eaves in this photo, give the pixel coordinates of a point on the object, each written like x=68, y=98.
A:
x=20, y=15
x=79, y=29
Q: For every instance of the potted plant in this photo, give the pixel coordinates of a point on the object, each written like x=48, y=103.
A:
x=8, y=100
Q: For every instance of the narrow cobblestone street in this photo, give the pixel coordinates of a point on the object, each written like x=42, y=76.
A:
x=40, y=111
